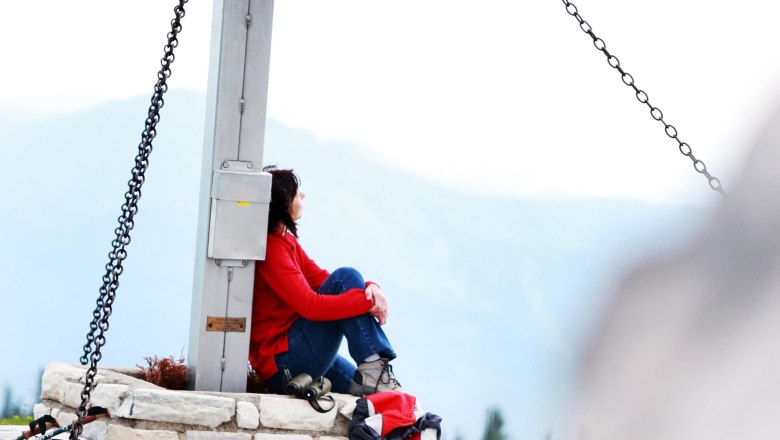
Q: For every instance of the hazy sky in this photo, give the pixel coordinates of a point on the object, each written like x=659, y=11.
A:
x=498, y=96
x=504, y=97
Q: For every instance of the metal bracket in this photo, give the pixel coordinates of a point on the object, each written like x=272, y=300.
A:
x=237, y=165
x=230, y=263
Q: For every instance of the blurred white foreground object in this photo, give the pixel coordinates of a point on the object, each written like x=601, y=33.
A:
x=689, y=347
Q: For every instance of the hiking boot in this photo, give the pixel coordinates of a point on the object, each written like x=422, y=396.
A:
x=374, y=377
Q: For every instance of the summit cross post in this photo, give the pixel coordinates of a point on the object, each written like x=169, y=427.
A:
x=234, y=195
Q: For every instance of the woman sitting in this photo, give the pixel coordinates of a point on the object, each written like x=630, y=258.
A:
x=301, y=313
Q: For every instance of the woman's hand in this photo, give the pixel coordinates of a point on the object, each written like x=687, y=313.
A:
x=379, y=311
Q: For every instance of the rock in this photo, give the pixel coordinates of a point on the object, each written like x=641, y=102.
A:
x=205, y=435
x=11, y=432
x=96, y=430
x=177, y=407
x=118, y=432
x=64, y=417
x=40, y=410
x=109, y=395
x=64, y=383
x=287, y=413
x=281, y=437
x=348, y=409
x=247, y=415
x=136, y=372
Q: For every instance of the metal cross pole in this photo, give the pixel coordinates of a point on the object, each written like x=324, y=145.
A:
x=234, y=195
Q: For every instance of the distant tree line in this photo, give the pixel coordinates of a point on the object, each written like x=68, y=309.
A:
x=10, y=406
x=494, y=425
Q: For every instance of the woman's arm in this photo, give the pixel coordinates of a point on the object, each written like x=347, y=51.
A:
x=287, y=280
x=315, y=275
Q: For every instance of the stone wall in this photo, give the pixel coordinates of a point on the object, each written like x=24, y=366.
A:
x=141, y=410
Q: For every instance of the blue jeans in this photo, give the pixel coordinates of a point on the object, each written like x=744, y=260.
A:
x=313, y=345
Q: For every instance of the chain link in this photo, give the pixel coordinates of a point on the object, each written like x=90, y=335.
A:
x=642, y=97
x=99, y=325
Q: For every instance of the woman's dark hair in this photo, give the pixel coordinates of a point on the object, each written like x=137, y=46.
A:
x=284, y=186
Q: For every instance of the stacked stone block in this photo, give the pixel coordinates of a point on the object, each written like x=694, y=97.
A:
x=141, y=411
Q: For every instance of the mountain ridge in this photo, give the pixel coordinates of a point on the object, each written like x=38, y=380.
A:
x=500, y=291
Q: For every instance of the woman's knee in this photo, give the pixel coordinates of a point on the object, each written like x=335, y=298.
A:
x=341, y=280
x=349, y=277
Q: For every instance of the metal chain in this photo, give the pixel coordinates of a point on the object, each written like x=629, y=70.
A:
x=655, y=112
x=99, y=325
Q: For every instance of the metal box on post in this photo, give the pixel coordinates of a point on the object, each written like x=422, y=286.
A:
x=239, y=212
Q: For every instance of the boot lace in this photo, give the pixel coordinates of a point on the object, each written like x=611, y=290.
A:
x=387, y=377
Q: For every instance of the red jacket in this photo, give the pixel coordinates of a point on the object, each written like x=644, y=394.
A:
x=285, y=289
x=392, y=416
